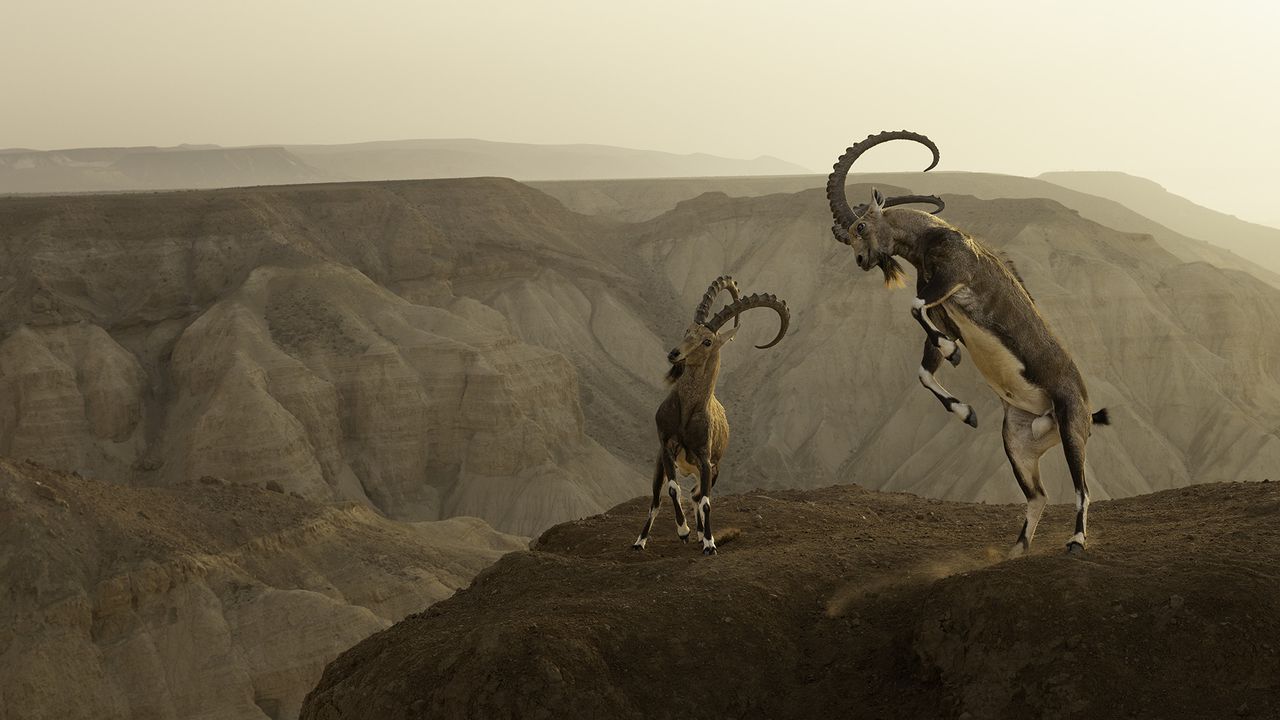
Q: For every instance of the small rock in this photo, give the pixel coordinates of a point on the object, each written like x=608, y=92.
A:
x=46, y=493
x=552, y=673
x=148, y=465
x=1176, y=601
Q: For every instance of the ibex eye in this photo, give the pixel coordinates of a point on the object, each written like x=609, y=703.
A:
x=861, y=228
x=707, y=342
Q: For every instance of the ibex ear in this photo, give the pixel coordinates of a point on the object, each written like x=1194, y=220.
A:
x=727, y=335
x=877, y=201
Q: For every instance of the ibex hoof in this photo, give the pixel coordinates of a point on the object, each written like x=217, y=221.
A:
x=954, y=358
x=971, y=419
x=685, y=538
x=708, y=551
x=1075, y=548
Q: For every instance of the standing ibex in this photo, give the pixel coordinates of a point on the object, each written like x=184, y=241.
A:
x=968, y=293
x=693, y=432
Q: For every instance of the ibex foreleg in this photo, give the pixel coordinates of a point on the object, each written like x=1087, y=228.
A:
x=920, y=311
x=929, y=364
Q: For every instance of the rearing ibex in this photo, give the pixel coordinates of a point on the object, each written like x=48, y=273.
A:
x=968, y=293
x=693, y=432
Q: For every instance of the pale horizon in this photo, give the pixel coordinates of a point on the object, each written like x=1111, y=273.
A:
x=1175, y=95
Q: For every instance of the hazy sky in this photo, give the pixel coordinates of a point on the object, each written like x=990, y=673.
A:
x=1180, y=93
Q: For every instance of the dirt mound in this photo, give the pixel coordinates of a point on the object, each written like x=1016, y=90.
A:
x=210, y=599
x=847, y=602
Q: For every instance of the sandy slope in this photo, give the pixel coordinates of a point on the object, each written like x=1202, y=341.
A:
x=205, y=600
x=842, y=602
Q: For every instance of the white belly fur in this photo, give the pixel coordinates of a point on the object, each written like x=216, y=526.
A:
x=1001, y=369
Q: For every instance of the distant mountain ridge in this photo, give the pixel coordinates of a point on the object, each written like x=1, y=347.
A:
x=1256, y=242
x=187, y=167
x=1219, y=239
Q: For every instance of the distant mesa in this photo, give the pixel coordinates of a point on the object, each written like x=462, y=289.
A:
x=211, y=166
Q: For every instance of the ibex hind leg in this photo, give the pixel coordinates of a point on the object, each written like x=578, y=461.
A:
x=1074, y=427
x=658, y=477
x=1024, y=445
x=673, y=490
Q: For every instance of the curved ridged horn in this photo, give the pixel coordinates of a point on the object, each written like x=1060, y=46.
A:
x=754, y=300
x=724, y=282
x=933, y=200
x=840, y=210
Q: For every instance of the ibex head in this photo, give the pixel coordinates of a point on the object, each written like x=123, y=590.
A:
x=704, y=336
x=863, y=228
